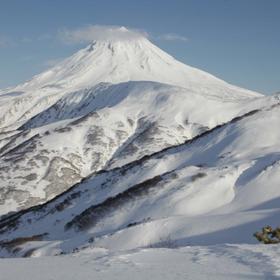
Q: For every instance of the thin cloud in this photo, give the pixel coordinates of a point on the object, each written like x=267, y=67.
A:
x=99, y=32
x=45, y=37
x=5, y=42
x=172, y=37
x=53, y=62
x=26, y=40
x=27, y=58
x=42, y=37
x=13, y=42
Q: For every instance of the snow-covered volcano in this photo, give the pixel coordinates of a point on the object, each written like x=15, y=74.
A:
x=111, y=60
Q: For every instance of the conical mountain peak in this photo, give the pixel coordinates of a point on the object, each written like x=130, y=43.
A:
x=119, y=55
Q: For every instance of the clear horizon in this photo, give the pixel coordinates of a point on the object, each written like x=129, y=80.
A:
x=237, y=41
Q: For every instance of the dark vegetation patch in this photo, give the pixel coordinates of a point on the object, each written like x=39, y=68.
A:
x=146, y=220
x=14, y=244
x=29, y=177
x=66, y=202
x=12, y=140
x=92, y=215
x=26, y=146
x=85, y=118
x=63, y=129
x=28, y=253
x=198, y=176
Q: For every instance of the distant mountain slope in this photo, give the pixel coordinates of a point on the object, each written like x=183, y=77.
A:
x=102, y=127
x=210, y=190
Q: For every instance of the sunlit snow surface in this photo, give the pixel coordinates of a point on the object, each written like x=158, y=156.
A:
x=188, y=263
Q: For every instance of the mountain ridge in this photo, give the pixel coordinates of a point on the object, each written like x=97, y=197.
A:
x=106, y=126
x=225, y=166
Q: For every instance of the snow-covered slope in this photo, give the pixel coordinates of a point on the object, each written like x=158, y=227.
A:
x=211, y=190
x=102, y=127
x=220, y=262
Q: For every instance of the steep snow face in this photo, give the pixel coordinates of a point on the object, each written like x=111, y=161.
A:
x=112, y=61
x=210, y=190
x=101, y=128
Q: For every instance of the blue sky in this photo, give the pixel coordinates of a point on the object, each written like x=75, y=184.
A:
x=236, y=40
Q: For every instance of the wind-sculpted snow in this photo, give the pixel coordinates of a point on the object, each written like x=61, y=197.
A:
x=210, y=190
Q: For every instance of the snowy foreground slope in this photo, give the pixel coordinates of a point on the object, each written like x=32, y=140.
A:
x=188, y=263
